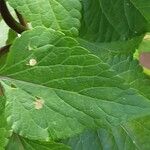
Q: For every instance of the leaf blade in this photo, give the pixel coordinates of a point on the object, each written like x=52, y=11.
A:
x=69, y=84
x=59, y=15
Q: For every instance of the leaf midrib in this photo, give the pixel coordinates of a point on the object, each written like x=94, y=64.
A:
x=34, y=84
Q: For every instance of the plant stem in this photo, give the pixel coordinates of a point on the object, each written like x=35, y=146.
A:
x=21, y=19
x=10, y=21
x=1, y=91
x=4, y=49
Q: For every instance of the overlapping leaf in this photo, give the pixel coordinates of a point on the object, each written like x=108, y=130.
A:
x=57, y=14
x=17, y=143
x=3, y=132
x=143, y=7
x=131, y=135
x=106, y=21
x=139, y=131
x=112, y=138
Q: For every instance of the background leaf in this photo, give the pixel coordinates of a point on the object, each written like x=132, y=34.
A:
x=113, y=138
x=17, y=143
x=60, y=14
x=143, y=7
x=106, y=21
x=3, y=124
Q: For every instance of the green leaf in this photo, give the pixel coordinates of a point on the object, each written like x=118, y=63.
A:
x=132, y=135
x=139, y=131
x=79, y=90
x=143, y=7
x=60, y=14
x=3, y=60
x=19, y=143
x=12, y=35
x=106, y=21
x=3, y=130
x=112, y=138
x=57, y=87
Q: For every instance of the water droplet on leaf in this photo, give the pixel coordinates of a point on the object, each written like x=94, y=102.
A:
x=19, y=35
x=39, y=103
x=32, y=62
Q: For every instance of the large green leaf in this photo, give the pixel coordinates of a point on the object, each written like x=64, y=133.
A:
x=113, y=138
x=112, y=20
x=57, y=14
x=139, y=131
x=3, y=132
x=130, y=136
x=19, y=143
x=79, y=90
x=57, y=86
x=143, y=7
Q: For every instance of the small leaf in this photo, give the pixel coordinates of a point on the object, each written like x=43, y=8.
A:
x=18, y=143
x=107, y=21
x=3, y=124
x=143, y=7
x=11, y=36
x=60, y=14
x=105, y=138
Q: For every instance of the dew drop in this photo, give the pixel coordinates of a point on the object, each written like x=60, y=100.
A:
x=19, y=35
x=32, y=62
x=39, y=103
